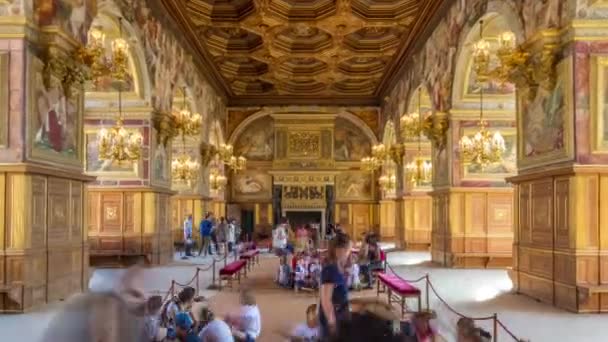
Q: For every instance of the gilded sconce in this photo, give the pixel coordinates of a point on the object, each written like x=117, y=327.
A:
x=69, y=72
x=165, y=126
x=396, y=152
x=435, y=128
x=207, y=152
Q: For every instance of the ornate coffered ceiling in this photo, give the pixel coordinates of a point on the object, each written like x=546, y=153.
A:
x=308, y=51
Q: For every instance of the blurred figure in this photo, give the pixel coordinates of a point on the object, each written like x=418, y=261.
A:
x=184, y=328
x=182, y=302
x=213, y=329
x=188, y=236
x=205, y=230
x=371, y=321
x=247, y=324
x=419, y=329
x=309, y=331
x=110, y=316
x=152, y=329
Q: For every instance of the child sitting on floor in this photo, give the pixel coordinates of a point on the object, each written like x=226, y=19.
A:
x=284, y=273
x=247, y=324
x=309, y=331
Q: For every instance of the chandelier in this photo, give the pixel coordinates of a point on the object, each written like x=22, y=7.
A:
x=388, y=182
x=225, y=153
x=217, y=181
x=237, y=163
x=376, y=160
x=184, y=168
x=187, y=122
x=93, y=56
x=483, y=148
x=419, y=170
x=117, y=143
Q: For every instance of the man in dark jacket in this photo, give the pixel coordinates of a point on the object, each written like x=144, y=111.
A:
x=205, y=230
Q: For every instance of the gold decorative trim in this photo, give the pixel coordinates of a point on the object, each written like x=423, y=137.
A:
x=598, y=84
x=2, y=210
x=4, y=98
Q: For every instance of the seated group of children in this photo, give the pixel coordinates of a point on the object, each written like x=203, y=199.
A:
x=304, y=271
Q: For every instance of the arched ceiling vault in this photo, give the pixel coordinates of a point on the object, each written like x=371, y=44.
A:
x=303, y=51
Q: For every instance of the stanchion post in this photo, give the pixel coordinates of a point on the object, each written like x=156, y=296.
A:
x=495, y=327
x=172, y=288
x=225, y=254
x=197, y=282
x=428, y=305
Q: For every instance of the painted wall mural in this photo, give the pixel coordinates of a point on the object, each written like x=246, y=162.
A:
x=55, y=121
x=491, y=88
x=354, y=185
x=169, y=64
x=350, y=143
x=544, y=123
x=161, y=170
x=72, y=16
x=252, y=185
x=256, y=142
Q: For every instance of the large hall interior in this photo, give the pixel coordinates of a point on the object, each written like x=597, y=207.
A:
x=469, y=138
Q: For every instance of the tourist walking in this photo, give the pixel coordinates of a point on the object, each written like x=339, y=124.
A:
x=188, y=236
x=334, y=292
x=205, y=230
x=230, y=235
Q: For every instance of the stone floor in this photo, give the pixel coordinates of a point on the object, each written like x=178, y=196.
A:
x=472, y=292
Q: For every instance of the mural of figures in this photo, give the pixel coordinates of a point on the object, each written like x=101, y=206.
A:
x=350, y=143
x=55, y=121
x=73, y=16
x=543, y=119
x=256, y=142
x=96, y=166
x=354, y=185
x=160, y=165
x=491, y=87
x=252, y=185
x=11, y=8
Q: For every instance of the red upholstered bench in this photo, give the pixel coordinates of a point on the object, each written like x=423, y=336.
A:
x=397, y=290
x=250, y=257
x=233, y=269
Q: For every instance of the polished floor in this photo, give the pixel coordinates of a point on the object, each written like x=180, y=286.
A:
x=471, y=292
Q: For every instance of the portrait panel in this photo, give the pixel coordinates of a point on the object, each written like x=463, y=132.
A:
x=54, y=122
x=498, y=171
x=350, y=142
x=105, y=168
x=354, y=185
x=160, y=164
x=545, y=121
x=251, y=185
x=256, y=141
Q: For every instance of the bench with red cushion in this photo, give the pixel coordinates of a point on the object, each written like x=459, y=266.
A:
x=229, y=271
x=250, y=257
x=397, y=290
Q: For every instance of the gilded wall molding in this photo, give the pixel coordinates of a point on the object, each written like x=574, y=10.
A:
x=4, y=98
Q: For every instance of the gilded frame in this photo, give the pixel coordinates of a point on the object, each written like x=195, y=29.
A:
x=485, y=176
x=599, y=69
x=135, y=168
x=4, y=98
x=298, y=154
x=265, y=195
x=564, y=68
x=36, y=154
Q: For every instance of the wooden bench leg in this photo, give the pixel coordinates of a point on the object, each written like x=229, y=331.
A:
x=378, y=289
x=419, y=304
x=238, y=277
x=390, y=296
x=403, y=306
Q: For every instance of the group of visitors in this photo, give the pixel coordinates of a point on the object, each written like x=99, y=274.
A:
x=179, y=320
x=213, y=234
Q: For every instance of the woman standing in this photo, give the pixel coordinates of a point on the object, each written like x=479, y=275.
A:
x=334, y=293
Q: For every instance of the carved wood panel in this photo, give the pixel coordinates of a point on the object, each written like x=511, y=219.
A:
x=76, y=211
x=542, y=213
x=360, y=220
x=524, y=214
x=500, y=213
x=129, y=216
x=38, y=237
x=58, y=214
x=562, y=224
x=111, y=212
x=94, y=212
x=477, y=209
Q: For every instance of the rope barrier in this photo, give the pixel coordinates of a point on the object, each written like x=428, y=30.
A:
x=430, y=287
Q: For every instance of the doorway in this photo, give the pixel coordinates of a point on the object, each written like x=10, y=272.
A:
x=302, y=218
x=247, y=224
